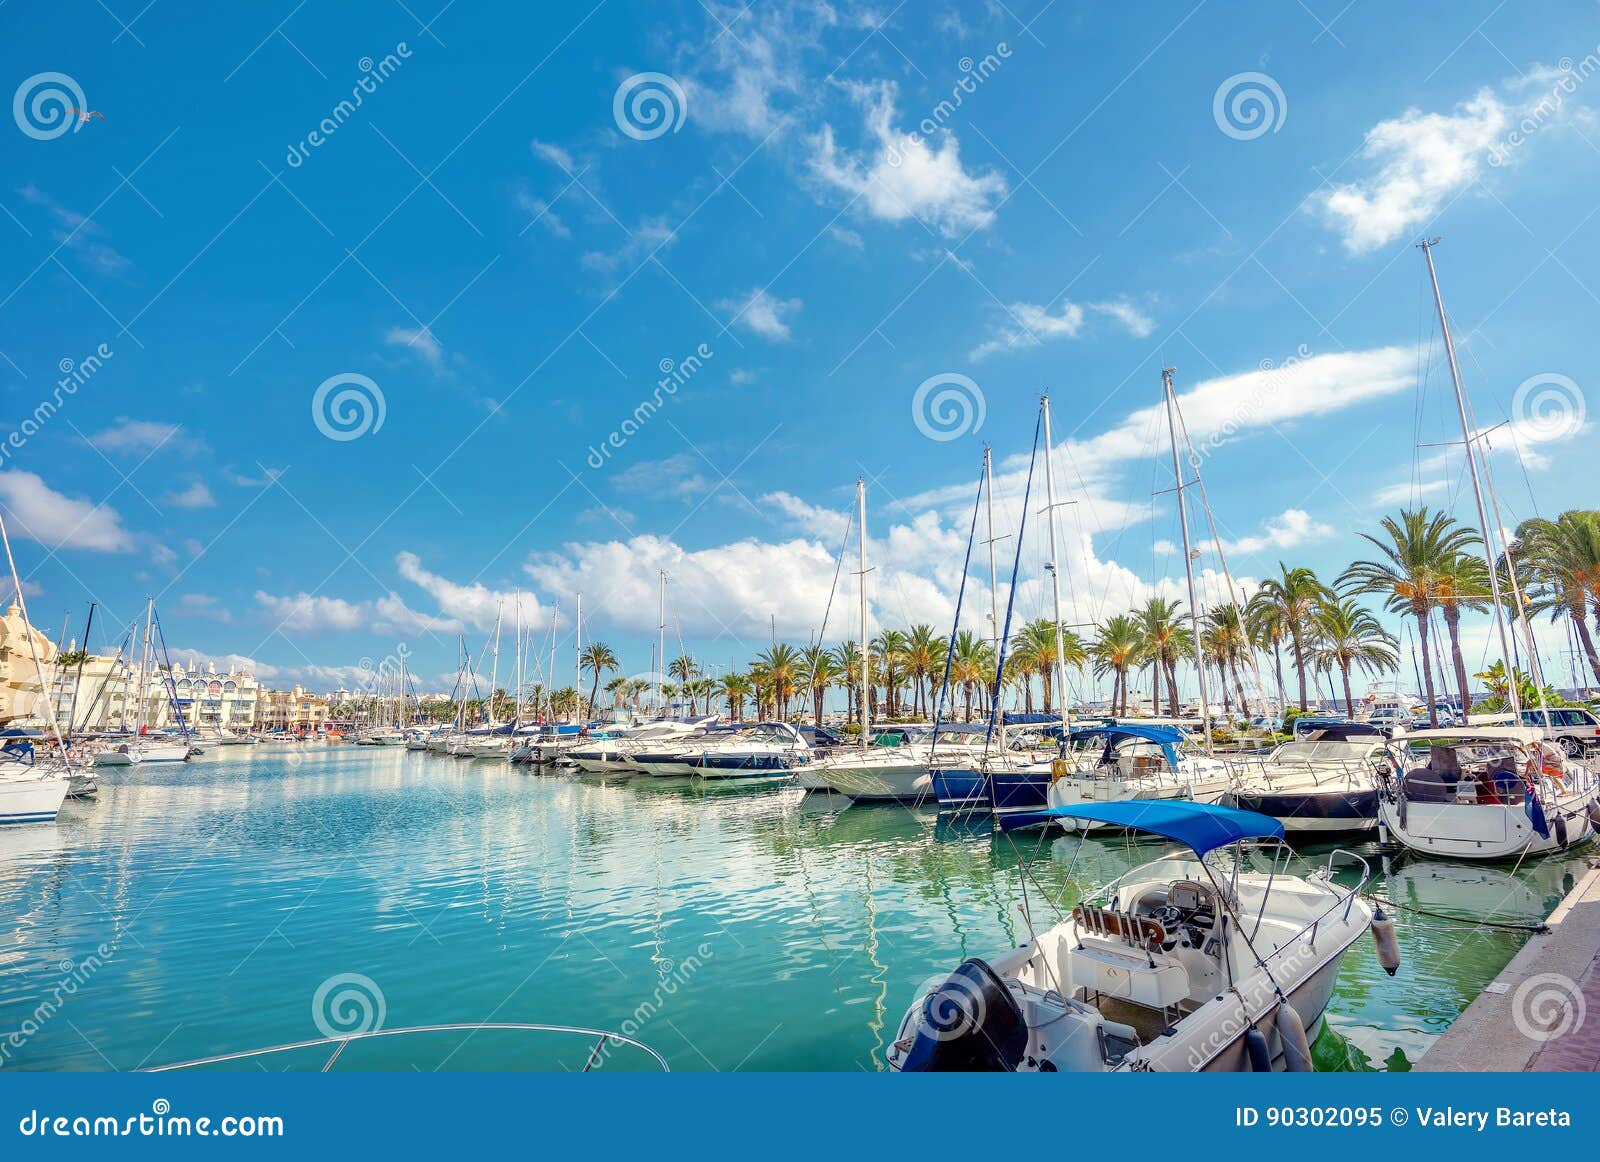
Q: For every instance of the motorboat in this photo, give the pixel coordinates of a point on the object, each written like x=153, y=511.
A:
x=1326, y=780
x=761, y=750
x=1486, y=793
x=1219, y=959
x=897, y=763
x=1132, y=761
x=613, y=755
x=381, y=736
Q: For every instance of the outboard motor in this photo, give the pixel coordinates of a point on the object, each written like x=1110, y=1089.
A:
x=969, y=1024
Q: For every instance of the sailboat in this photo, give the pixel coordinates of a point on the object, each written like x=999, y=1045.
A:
x=32, y=791
x=148, y=747
x=1486, y=792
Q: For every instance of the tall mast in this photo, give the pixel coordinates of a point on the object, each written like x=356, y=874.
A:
x=1171, y=400
x=577, y=638
x=519, y=658
x=866, y=636
x=1467, y=438
x=144, y=662
x=1055, y=577
x=661, y=641
x=994, y=592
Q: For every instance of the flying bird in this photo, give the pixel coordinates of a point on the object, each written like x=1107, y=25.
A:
x=84, y=115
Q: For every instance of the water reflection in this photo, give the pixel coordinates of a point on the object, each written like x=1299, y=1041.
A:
x=232, y=887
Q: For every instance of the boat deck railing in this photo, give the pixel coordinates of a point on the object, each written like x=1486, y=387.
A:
x=337, y=1044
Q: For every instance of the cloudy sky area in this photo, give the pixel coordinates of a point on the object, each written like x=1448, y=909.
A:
x=853, y=200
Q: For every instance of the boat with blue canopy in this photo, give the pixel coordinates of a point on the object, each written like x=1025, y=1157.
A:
x=1216, y=958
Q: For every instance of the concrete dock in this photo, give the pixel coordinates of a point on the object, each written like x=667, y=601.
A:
x=1542, y=1013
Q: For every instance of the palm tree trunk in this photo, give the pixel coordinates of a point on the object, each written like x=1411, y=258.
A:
x=1044, y=676
x=1172, y=688
x=1588, y=642
x=1277, y=664
x=1427, y=668
x=1452, y=623
x=1299, y=664
x=1349, y=703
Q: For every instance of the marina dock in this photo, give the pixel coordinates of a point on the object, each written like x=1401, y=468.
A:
x=1542, y=1013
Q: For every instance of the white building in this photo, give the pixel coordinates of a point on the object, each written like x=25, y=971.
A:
x=211, y=702
x=21, y=686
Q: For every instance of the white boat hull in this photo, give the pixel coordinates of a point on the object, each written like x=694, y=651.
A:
x=1490, y=833
x=31, y=798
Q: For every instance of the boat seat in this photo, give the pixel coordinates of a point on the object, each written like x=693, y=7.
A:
x=1137, y=931
x=1154, y=980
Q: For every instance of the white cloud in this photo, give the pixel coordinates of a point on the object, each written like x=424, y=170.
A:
x=762, y=313
x=1290, y=529
x=307, y=612
x=203, y=605
x=422, y=342
x=846, y=237
x=197, y=495
x=1407, y=493
x=643, y=242
x=146, y=437
x=473, y=603
x=681, y=475
x=555, y=155
x=901, y=175
x=39, y=513
x=749, y=78
x=1030, y=325
x=543, y=214
x=1420, y=161
x=1139, y=324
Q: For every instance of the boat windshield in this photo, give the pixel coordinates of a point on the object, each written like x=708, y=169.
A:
x=1113, y=756
x=1323, y=750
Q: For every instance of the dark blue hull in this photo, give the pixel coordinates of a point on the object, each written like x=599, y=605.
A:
x=964, y=789
x=1325, y=811
x=1020, y=790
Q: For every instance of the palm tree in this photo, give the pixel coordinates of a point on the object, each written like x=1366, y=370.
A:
x=1463, y=584
x=889, y=651
x=1229, y=644
x=819, y=669
x=971, y=662
x=735, y=688
x=1563, y=558
x=781, y=666
x=848, y=655
x=1419, y=548
x=1165, y=640
x=1294, y=596
x=1035, y=648
x=1348, y=635
x=597, y=658
x=617, y=687
x=1118, y=648
x=685, y=671
x=923, y=657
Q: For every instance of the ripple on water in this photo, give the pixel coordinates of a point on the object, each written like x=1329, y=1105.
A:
x=735, y=926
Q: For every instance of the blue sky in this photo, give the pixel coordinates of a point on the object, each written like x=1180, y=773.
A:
x=510, y=260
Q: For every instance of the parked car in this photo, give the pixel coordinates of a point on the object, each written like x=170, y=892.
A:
x=1572, y=728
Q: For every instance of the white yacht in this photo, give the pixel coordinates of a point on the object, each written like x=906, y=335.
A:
x=758, y=750
x=614, y=755
x=897, y=763
x=1487, y=793
x=1106, y=764
x=1325, y=781
x=1216, y=960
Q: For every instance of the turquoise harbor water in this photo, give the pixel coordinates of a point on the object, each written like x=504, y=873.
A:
x=734, y=928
